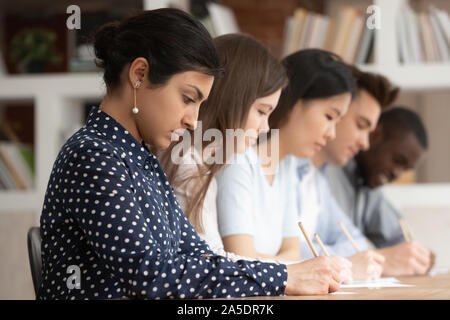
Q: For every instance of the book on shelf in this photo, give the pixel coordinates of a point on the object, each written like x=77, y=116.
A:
x=222, y=18
x=343, y=30
x=365, y=46
x=15, y=168
x=423, y=37
x=354, y=39
x=293, y=34
x=3, y=71
x=16, y=151
x=345, y=35
x=443, y=48
x=403, y=43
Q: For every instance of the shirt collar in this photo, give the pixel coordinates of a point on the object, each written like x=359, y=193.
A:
x=114, y=132
x=353, y=173
x=303, y=167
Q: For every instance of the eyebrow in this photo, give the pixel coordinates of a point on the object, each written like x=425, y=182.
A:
x=267, y=106
x=402, y=158
x=199, y=93
x=337, y=111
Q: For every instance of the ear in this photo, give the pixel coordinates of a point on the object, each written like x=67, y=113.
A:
x=376, y=135
x=295, y=113
x=139, y=70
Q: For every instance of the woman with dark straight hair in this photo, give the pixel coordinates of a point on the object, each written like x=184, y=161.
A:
x=258, y=195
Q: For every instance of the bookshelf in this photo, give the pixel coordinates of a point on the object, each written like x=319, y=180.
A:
x=410, y=77
x=419, y=81
x=416, y=79
x=58, y=103
x=342, y=18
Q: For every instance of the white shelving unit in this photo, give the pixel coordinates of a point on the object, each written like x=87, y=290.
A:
x=55, y=100
x=411, y=77
x=57, y=96
x=432, y=76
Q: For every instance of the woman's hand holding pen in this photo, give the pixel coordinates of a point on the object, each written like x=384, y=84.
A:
x=346, y=269
x=316, y=276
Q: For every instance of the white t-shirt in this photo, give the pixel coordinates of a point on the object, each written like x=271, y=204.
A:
x=310, y=200
x=248, y=204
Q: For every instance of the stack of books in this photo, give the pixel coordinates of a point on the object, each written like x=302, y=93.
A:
x=423, y=37
x=345, y=35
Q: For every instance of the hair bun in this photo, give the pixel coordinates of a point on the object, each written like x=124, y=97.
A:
x=104, y=40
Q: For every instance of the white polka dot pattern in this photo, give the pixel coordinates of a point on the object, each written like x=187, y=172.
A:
x=110, y=210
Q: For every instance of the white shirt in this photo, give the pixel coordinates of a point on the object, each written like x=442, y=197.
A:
x=190, y=167
x=310, y=200
x=248, y=204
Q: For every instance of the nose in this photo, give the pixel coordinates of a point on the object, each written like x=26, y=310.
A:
x=264, y=126
x=190, y=118
x=330, y=133
x=363, y=142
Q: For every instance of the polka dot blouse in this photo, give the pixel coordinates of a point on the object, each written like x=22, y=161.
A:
x=110, y=212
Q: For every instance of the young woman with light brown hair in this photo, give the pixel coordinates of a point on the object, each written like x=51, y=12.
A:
x=242, y=99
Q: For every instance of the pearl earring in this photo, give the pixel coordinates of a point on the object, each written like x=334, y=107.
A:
x=135, y=108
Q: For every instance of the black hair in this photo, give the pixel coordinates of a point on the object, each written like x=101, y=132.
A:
x=170, y=39
x=400, y=121
x=313, y=74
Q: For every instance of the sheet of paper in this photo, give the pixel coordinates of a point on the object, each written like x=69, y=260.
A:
x=379, y=283
x=376, y=285
x=343, y=292
x=436, y=271
x=383, y=280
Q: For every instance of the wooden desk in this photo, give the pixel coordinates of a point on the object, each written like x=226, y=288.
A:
x=426, y=288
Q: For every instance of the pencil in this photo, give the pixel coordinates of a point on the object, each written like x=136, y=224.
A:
x=308, y=240
x=405, y=230
x=408, y=230
x=349, y=237
x=322, y=246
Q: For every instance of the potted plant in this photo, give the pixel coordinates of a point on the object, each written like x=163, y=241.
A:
x=34, y=49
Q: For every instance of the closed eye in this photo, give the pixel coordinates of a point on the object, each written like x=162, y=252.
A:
x=362, y=126
x=262, y=113
x=187, y=100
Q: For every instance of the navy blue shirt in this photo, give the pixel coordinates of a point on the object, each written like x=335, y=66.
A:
x=110, y=211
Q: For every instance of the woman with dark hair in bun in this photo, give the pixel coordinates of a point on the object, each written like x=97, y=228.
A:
x=109, y=211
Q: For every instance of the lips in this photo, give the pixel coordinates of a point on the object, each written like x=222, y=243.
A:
x=352, y=152
x=176, y=134
x=318, y=146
